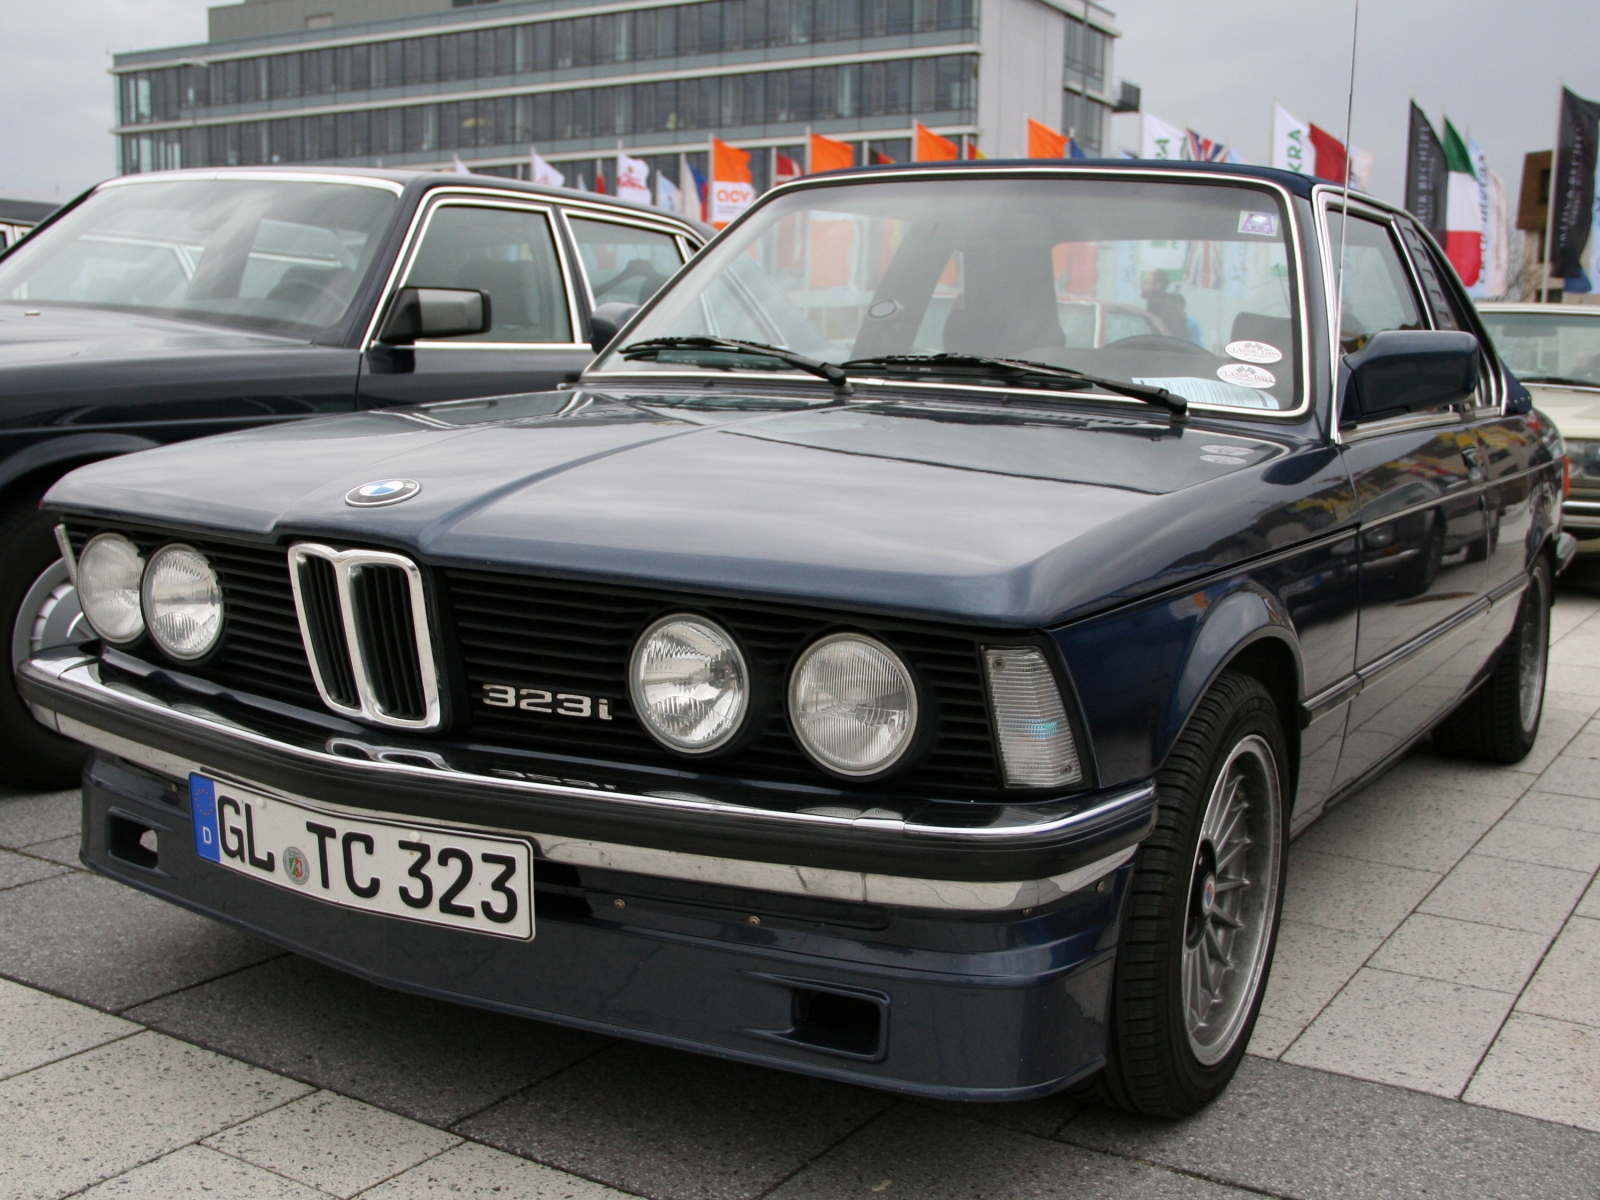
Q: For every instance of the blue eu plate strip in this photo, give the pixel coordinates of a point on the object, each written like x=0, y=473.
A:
x=203, y=802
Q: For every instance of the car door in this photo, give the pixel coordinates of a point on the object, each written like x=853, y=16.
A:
x=1419, y=485
x=511, y=251
x=1507, y=446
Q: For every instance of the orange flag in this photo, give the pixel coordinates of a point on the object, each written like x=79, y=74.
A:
x=732, y=189
x=974, y=152
x=829, y=155
x=930, y=147
x=1044, y=142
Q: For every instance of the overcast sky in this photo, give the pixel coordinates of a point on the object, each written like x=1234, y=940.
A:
x=1492, y=65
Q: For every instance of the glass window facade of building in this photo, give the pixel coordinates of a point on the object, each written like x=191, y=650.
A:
x=548, y=83
x=1085, y=111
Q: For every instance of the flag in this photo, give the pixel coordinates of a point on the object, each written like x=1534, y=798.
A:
x=1203, y=149
x=928, y=146
x=1497, y=252
x=1074, y=150
x=785, y=169
x=582, y=184
x=1291, y=143
x=1331, y=159
x=1492, y=236
x=825, y=154
x=668, y=195
x=1573, y=192
x=732, y=190
x=1426, y=169
x=1044, y=142
x=1160, y=140
x=633, y=179
x=459, y=167
x=1360, y=168
x=1463, y=210
x=599, y=179
x=700, y=189
x=543, y=172
x=880, y=159
x=973, y=151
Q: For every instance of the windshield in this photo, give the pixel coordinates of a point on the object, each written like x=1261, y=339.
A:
x=1181, y=285
x=1547, y=345
x=260, y=254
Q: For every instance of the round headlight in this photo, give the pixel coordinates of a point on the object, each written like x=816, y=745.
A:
x=109, y=570
x=853, y=704
x=182, y=602
x=689, y=683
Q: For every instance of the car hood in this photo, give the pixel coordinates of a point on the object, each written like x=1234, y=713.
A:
x=58, y=334
x=972, y=512
x=1575, y=411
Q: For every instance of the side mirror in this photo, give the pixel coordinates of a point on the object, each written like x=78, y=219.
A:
x=1410, y=370
x=434, y=313
x=605, y=321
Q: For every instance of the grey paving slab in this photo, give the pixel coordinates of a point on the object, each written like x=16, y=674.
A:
x=104, y=944
x=1041, y=1118
x=38, y=1028
x=1288, y=1131
x=18, y=869
x=1564, y=812
x=196, y=1171
x=29, y=820
x=1401, y=1029
x=1425, y=770
x=1567, y=986
x=1483, y=956
x=1589, y=906
x=1567, y=677
x=966, y=1159
x=1273, y=1035
x=1545, y=1069
x=1350, y=894
x=1585, y=745
x=676, y=1126
x=75, y=1122
x=1428, y=829
x=1571, y=776
x=1310, y=966
x=425, y=1059
x=473, y=1172
x=1558, y=728
x=1513, y=895
x=1571, y=849
x=61, y=851
x=332, y=1143
x=1571, y=701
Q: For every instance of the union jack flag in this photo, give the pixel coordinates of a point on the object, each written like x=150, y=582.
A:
x=1203, y=149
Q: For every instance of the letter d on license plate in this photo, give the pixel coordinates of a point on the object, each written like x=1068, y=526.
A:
x=428, y=873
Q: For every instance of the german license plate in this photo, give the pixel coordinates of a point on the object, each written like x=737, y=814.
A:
x=427, y=873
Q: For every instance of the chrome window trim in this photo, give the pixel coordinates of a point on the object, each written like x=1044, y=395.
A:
x=567, y=217
x=1296, y=249
x=1402, y=423
x=474, y=198
x=254, y=176
x=345, y=563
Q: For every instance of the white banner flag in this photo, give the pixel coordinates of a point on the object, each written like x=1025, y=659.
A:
x=1160, y=140
x=543, y=172
x=633, y=179
x=667, y=193
x=1291, y=143
x=1360, y=168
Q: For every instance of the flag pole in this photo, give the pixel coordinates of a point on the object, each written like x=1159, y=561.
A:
x=1550, y=197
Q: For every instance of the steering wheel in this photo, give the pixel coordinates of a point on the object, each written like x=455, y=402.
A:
x=1158, y=341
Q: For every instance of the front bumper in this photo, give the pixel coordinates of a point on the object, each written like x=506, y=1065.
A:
x=984, y=948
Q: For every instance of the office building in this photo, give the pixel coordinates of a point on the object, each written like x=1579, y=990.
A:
x=420, y=83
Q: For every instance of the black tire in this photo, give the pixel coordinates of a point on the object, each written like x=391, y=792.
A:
x=1499, y=721
x=1153, y=1067
x=35, y=758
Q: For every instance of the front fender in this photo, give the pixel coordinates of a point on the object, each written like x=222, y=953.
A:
x=73, y=450
x=1140, y=671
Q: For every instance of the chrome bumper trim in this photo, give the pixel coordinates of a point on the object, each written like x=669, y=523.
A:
x=79, y=674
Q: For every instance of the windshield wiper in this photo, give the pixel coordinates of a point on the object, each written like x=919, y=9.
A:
x=1559, y=380
x=1014, y=368
x=652, y=348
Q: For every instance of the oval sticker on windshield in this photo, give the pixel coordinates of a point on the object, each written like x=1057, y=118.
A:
x=1246, y=375
x=1255, y=352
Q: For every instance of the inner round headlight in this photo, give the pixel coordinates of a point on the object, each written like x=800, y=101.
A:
x=853, y=704
x=689, y=683
x=182, y=601
x=109, y=570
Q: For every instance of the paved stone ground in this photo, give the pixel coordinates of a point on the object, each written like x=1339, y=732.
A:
x=1432, y=1029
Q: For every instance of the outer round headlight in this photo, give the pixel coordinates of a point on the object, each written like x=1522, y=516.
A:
x=182, y=601
x=853, y=704
x=689, y=684
x=109, y=570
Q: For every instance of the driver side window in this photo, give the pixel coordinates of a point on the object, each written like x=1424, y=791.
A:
x=1377, y=294
x=624, y=263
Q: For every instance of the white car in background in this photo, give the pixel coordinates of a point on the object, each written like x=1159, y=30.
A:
x=1554, y=349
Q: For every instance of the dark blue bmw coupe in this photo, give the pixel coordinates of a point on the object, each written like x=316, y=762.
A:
x=902, y=657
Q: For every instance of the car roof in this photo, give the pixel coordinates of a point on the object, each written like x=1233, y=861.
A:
x=425, y=179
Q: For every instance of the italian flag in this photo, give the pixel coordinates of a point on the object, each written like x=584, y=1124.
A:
x=1463, y=210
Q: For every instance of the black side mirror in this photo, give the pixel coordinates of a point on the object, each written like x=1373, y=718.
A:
x=606, y=320
x=1410, y=370
x=434, y=313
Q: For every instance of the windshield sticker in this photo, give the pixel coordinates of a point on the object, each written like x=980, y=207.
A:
x=1223, y=458
x=1265, y=224
x=1246, y=376
x=1210, y=391
x=1255, y=352
x=1226, y=449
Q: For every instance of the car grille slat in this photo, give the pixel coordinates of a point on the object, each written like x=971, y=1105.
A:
x=324, y=627
x=382, y=596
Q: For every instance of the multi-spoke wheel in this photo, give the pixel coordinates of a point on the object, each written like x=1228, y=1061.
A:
x=1500, y=720
x=1202, y=911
